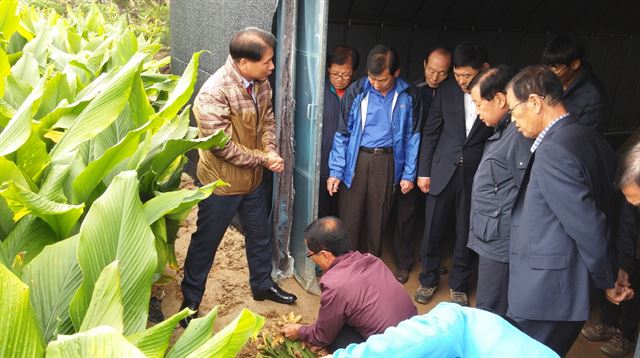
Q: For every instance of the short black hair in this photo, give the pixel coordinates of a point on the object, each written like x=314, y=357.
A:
x=382, y=57
x=445, y=51
x=251, y=43
x=538, y=80
x=562, y=50
x=343, y=53
x=628, y=170
x=492, y=81
x=470, y=54
x=327, y=233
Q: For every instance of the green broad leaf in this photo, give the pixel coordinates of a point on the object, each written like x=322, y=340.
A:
x=74, y=41
x=176, y=201
x=14, y=57
x=98, y=169
x=27, y=239
x=32, y=157
x=136, y=113
x=9, y=20
x=95, y=21
x=102, y=110
x=184, y=89
x=5, y=70
x=26, y=69
x=17, y=132
x=173, y=227
x=38, y=47
x=154, y=341
x=229, y=341
x=53, y=276
x=6, y=112
x=159, y=228
x=124, y=48
x=199, y=331
x=54, y=186
x=106, y=307
x=103, y=341
x=176, y=147
x=61, y=217
x=56, y=90
x=19, y=335
x=17, y=91
x=9, y=171
x=115, y=229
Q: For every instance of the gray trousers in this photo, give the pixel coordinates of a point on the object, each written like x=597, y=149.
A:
x=493, y=285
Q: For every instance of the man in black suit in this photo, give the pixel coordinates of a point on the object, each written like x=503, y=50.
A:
x=410, y=207
x=562, y=220
x=451, y=148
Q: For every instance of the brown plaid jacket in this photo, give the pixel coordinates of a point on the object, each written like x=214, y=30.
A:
x=224, y=104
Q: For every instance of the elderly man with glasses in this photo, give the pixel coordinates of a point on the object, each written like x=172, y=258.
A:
x=562, y=219
x=360, y=296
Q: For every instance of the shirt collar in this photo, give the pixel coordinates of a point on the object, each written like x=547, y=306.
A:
x=544, y=132
x=245, y=82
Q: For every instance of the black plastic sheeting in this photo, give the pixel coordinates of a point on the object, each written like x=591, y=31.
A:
x=513, y=31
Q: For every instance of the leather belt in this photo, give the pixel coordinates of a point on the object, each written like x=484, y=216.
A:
x=386, y=150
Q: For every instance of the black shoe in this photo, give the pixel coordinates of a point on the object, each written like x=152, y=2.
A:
x=275, y=294
x=402, y=276
x=192, y=306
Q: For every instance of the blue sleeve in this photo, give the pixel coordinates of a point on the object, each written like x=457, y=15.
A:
x=449, y=330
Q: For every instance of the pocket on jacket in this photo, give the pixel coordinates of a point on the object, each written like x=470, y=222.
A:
x=548, y=262
x=485, y=221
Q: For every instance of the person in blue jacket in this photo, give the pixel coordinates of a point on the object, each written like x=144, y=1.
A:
x=375, y=148
x=449, y=330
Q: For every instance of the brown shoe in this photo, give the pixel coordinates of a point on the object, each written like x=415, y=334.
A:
x=424, y=294
x=599, y=332
x=402, y=276
x=459, y=298
x=618, y=346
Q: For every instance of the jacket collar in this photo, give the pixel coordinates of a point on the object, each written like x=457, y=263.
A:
x=502, y=125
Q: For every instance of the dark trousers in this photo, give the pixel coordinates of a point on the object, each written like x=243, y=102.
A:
x=214, y=215
x=367, y=203
x=627, y=315
x=408, y=228
x=493, y=285
x=454, y=199
x=557, y=335
x=327, y=204
x=345, y=337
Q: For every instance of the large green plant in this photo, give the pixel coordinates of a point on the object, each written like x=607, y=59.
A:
x=92, y=144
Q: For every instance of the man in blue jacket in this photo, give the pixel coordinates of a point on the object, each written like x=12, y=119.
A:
x=374, y=149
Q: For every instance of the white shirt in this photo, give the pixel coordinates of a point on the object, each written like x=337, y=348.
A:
x=246, y=84
x=469, y=113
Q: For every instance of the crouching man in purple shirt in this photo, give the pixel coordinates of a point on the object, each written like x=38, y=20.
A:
x=360, y=296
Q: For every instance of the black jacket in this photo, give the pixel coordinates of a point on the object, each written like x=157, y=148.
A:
x=585, y=99
x=444, y=141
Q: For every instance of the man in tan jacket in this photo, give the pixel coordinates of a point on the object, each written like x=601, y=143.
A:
x=236, y=100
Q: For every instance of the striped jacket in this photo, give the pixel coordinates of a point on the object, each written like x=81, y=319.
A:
x=224, y=104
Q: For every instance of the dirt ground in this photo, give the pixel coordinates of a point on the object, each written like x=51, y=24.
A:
x=228, y=285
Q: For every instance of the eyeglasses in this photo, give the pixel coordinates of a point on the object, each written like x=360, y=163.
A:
x=311, y=254
x=510, y=110
x=342, y=76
